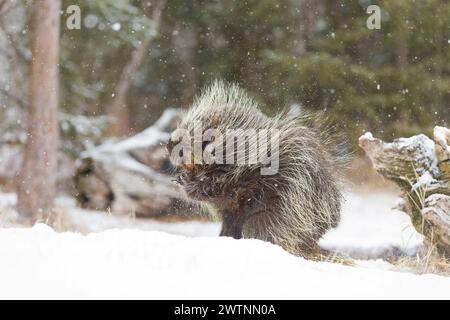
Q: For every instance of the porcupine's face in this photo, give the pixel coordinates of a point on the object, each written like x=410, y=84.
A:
x=207, y=182
x=220, y=108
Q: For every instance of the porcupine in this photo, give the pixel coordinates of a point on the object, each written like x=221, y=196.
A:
x=292, y=208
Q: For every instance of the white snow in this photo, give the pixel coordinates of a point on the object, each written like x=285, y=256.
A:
x=370, y=228
x=95, y=221
x=367, y=136
x=116, y=26
x=426, y=179
x=123, y=257
x=39, y=263
x=426, y=151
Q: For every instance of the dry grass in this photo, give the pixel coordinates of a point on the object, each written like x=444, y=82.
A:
x=331, y=257
x=58, y=220
x=429, y=261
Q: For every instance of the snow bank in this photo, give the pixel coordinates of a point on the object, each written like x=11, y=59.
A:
x=39, y=263
x=370, y=228
x=88, y=221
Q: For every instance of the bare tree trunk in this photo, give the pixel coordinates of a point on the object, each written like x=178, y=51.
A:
x=402, y=52
x=307, y=23
x=185, y=42
x=37, y=184
x=118, y=109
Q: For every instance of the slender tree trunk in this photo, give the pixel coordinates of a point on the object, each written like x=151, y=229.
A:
x=310, y=12
x=186, y=45
x=118, y=108
x=37, y=184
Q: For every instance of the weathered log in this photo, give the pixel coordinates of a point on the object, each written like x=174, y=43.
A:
x=132, y=176
x=436, y=214
x=442, y=139
x=420, y=166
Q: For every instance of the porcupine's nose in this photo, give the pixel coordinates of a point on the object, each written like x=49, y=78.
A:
x=173, y=141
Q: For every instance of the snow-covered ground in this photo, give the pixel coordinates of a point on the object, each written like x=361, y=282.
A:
x=39, y=263
x=121, y=257
x=370, y=228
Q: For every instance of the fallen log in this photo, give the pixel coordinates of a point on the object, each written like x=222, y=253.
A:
x=420, y=166
x=132, y=176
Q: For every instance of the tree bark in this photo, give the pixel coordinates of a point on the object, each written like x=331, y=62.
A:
x=118, y=108
x=37, y=181
x=421, y=167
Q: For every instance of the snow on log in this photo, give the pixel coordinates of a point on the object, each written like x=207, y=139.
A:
x=421, y=167
x=132, y=176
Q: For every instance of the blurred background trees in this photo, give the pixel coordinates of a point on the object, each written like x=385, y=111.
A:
x=318, y=54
